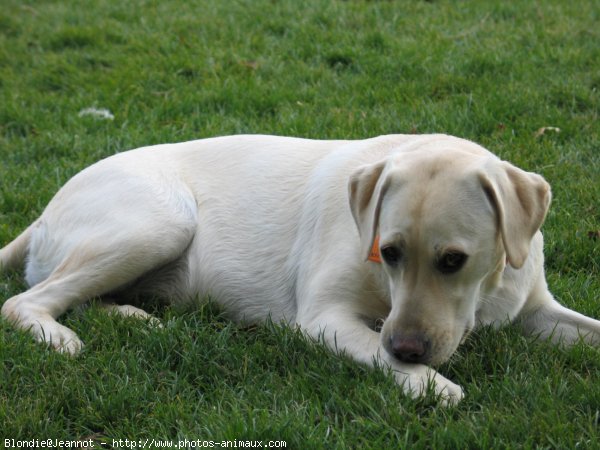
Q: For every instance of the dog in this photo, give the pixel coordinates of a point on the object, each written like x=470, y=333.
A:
x=390, y=250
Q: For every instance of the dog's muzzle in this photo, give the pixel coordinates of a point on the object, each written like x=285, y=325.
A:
x=410, y=348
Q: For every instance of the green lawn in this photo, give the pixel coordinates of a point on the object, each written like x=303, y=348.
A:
x=492, y=71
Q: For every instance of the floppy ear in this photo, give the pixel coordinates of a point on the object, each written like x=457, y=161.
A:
x=366, y=189
x=521, y=200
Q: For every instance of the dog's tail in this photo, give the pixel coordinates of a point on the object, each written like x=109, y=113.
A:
x=13, y=255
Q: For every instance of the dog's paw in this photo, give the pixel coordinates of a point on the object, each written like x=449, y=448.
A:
x=42, y=326
x=449, y=393
x=61, y=338
x=423, y=380
x=132, y=311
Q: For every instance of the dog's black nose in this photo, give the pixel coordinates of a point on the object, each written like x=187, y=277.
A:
x=411, y=348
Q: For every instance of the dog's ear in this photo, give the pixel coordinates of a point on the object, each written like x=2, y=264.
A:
x=520, y=200
x=366, y=189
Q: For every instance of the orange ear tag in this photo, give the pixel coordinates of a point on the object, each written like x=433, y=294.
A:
x=374, y=254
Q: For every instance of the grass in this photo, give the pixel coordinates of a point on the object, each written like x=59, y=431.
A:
x=493, y=71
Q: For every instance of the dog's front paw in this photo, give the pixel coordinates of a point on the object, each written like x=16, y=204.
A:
x=420, y=380
x=449, y=393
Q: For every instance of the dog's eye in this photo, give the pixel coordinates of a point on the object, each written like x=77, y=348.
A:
x=391, y=255
x=451, y=262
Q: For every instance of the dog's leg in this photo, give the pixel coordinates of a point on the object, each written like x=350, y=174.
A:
x=344, y=332
x=83, y=275
x=103, y=260
x=543, y=316
x=36, y=309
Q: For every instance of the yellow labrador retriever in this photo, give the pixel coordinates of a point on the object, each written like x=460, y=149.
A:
x=432, y=234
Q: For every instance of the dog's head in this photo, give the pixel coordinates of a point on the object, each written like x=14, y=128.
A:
x=447, y=218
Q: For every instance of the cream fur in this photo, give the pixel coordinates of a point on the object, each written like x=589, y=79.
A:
x=279, y=227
